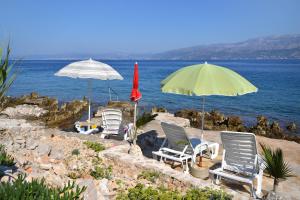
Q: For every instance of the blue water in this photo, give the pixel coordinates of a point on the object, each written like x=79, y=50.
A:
x=277, y=97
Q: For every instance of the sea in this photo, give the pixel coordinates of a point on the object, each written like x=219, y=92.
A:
x=278, y=83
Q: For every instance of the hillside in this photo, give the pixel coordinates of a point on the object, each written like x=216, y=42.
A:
x=272, y=47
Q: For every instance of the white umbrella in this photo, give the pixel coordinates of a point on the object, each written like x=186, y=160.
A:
x=89, y=69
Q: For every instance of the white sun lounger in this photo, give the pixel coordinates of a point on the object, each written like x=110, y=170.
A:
x=241, y=161
x=111, y=121
x=180, y=149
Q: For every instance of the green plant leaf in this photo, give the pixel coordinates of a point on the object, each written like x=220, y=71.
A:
x=275, y=164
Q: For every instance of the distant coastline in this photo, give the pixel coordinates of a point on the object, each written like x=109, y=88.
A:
x=282, y=47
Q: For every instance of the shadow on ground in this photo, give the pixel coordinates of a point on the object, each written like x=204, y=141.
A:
x=149, y=142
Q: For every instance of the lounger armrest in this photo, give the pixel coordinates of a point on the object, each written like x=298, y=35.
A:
x=198, y=149
x=261, y=163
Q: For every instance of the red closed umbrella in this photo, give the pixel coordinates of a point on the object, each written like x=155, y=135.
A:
x=135, y=96
x=135, y=93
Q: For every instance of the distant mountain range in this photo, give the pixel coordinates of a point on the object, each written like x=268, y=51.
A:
x=272, y=47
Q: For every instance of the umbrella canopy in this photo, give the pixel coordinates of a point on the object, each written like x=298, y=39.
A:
x=206, y=79
x=135, y=93
x=89, y=69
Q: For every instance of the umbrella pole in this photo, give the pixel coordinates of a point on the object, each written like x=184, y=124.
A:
x=202, y=129
x=202, y=121
x=109, y=92
x=89, y=91
x=134, y=123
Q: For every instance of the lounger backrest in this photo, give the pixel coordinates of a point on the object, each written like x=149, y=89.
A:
x=112, y=119
x=176, y=137
x=240, y=153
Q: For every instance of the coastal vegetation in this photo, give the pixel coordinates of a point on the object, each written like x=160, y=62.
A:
x=99, y=170
x=75, y=152
x=145, y=118
x=149, y=175
x=143, y=192
x=7, y=76
x=97, y=147
x=276, y=166
x=5, y=159
x=38, y=189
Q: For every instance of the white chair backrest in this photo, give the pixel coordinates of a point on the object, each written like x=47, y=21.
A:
x=112, y=118
x=240, y=152
x=176, y=137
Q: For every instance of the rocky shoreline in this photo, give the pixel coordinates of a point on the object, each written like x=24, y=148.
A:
x=50, y=112
x=215, y=120
x=64, y=116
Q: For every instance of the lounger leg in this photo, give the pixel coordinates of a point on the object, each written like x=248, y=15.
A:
x=185, y=168
x=252, y=191
x=194, y=157
x=154, y=156
x=217, y=180
x=214, y=151
x=259, y=183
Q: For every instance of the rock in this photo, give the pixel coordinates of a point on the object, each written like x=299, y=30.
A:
x=66, y=116
x=45, y=166
x=103, y=186
x=43, y=149
x=170, y=118
x=34, y=95
x=193, y=116
x=276, y=131
x=291, y=127
x=91, y=191
x=57, y=154
x=19, y=140
x=22, y=161
x=158, y=109
x=235, y=123
x=60, y=169
x=24, y=111
x=273, y=196
x=31, y=144
x=135, y=150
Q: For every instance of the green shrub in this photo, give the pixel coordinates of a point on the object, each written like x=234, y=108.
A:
x=206, y=193
x=74, y=175
x=276, y=166
x=37, y=189
x=7, y=77
x=5, y=159
x=149, y=175
x=149, y=193
x=102, y=172
x=144, y=119
x=97, y=147
x=75, y=152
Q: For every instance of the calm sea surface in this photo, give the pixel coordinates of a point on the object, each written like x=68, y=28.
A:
x=277, y=97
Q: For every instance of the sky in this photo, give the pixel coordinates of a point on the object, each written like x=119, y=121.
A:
x=66, y=27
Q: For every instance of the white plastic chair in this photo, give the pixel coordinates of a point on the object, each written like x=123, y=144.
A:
x=111, y=121
x=241, y=161
x=180, y=148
